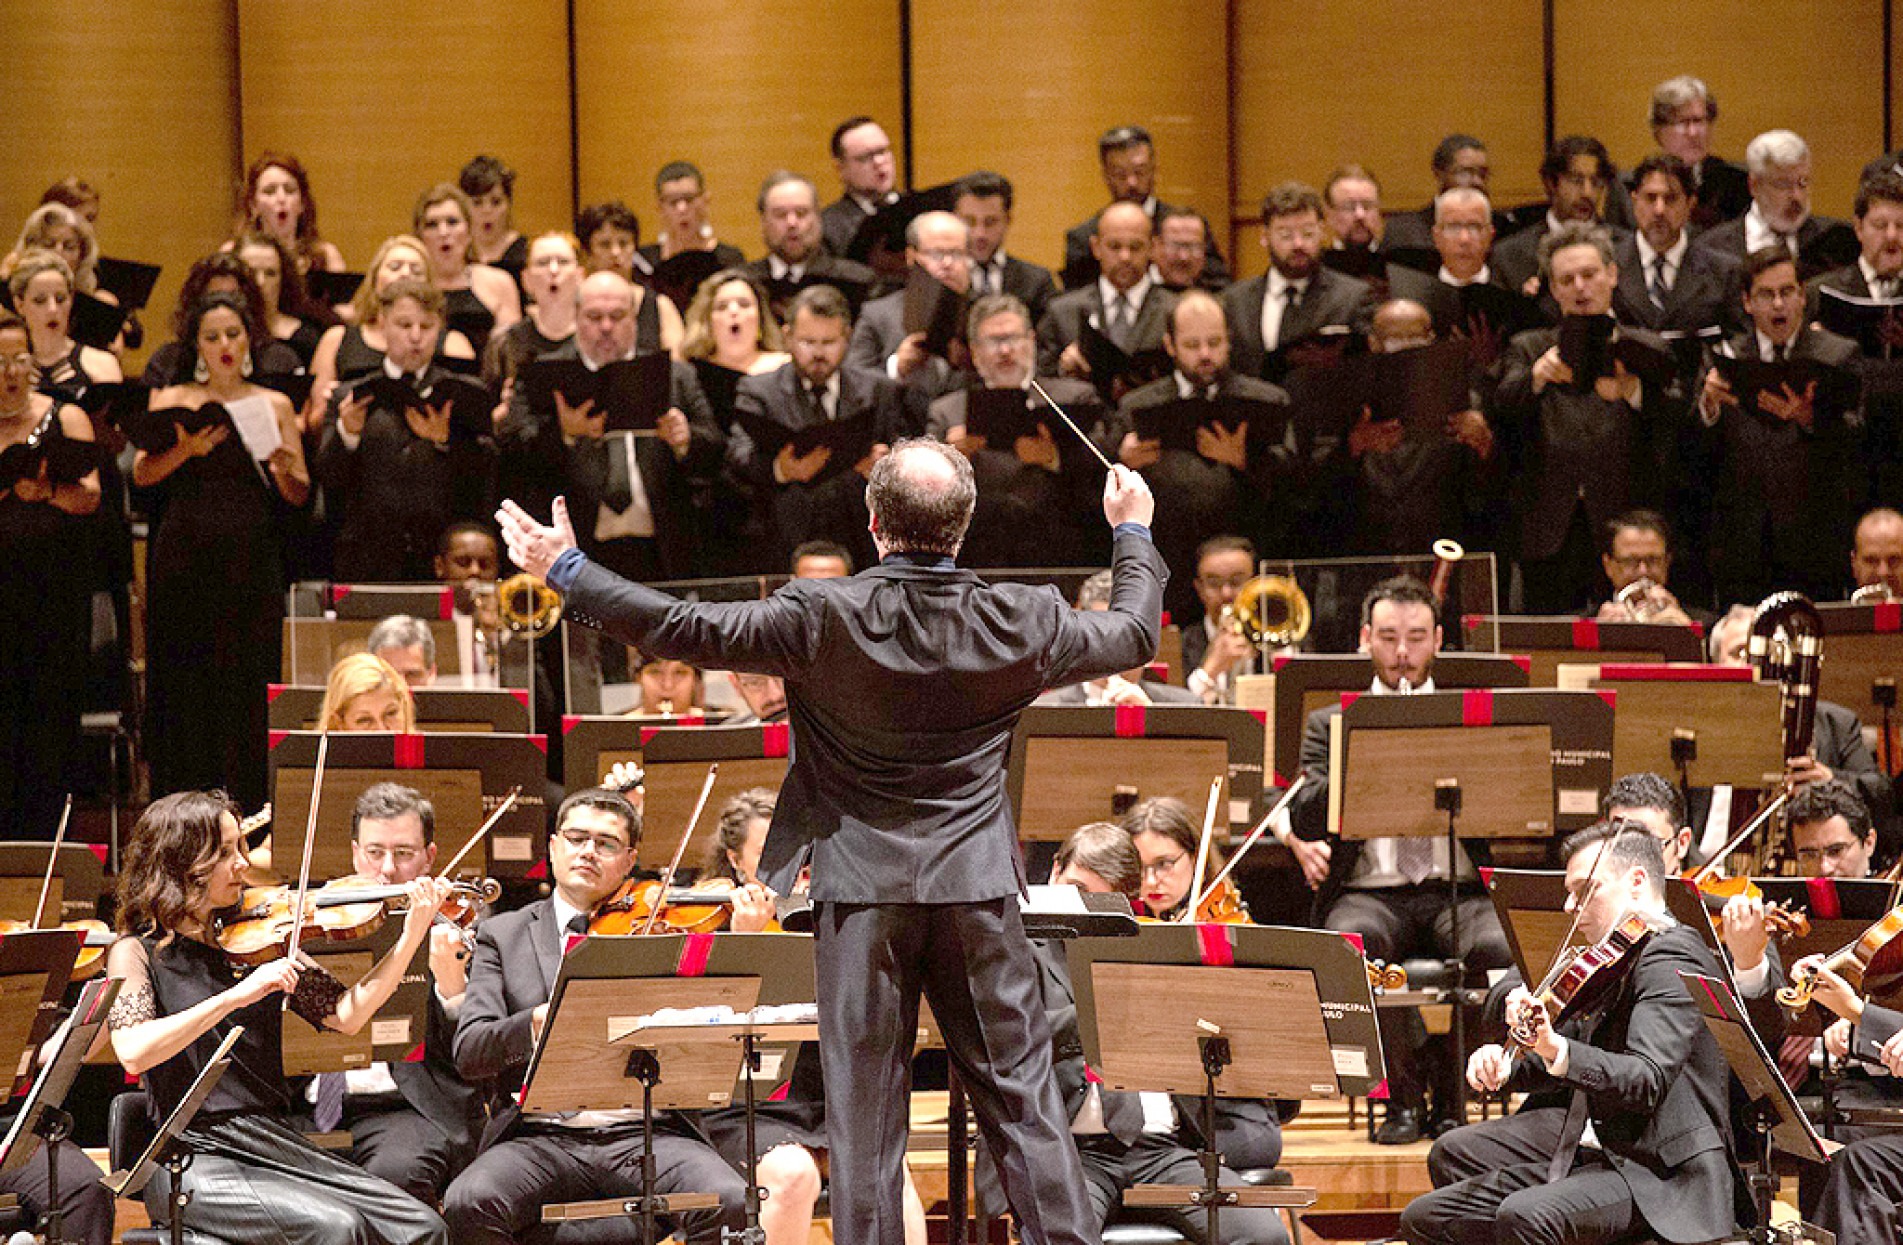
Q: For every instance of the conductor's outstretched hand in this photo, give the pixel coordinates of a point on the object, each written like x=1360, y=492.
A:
x=535, y=546
x=1126, y=498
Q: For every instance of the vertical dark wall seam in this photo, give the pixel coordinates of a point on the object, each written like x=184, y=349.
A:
x=237, y=97
x=905, y=89
x=1889, y=68
x=1233, y=182
x=1546, y=49
x=574, y=123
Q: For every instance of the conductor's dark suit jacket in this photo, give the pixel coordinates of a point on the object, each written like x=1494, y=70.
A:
x=1331, y=301
x=538, y=458
x=903, y=685
x=1657, y=1090
x=1565, y=447
x=518, y=955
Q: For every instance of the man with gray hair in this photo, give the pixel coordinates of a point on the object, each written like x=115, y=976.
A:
x=1582, y=449
x=1778, y=167
x=1682, y=116
x=407, y=645
x=936, y=245
x=904, y=684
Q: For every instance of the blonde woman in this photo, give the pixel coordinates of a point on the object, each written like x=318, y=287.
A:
x=365, y=693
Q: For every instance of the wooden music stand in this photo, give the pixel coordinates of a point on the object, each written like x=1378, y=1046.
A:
x=466, y=776
x=1069, y=766
x=1531, y=905
x=1839, y=909
x=1551, y=640
x=35, y=968
x=1863, y=654
x=1216, y=1039
x=1303, y=682
x=605, y=988
x=78, y=881
x=169, y=1149
x=43, y=1118
x=395, y=1033
x=1732, y=719
x=438, y=709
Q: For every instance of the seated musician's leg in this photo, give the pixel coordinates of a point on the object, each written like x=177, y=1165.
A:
x=84, y=1202
x=1863, y=1186
x=1482, y=946
x=498, y=1199
x=1387, y=934
x=1463, y=1213
x=404, y=1148
x=1158, y=1160
x=790, y=1176
x=1592, y=1206
x=1530, y=1136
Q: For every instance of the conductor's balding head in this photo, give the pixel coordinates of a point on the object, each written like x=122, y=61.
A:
x=920, y=496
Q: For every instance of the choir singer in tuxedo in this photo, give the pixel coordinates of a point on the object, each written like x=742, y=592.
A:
x=903, y=684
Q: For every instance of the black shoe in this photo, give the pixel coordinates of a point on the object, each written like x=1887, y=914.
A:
x=1441, y=1125
x=1401, y=1127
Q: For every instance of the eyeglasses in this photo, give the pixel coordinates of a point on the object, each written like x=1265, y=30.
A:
x=944, y=257
x=1783, y=294
x=1638, y=561
x=868, y=156
x=604, y=845
x=1216, y=583
x=1158, y=868
x=399, y=855
x=1832, y=852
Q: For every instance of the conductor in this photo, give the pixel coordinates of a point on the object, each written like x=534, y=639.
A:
x=903, y=684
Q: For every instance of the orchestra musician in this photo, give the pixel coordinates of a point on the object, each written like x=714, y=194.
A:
x=1629, y=1131
x=1392, y=891
x=1127, y=1139
x=528, y=1160
x=904, y=683
x=413, y=1124
x=1167, y=842
x=253, y=1176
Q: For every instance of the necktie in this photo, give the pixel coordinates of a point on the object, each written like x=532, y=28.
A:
x=1793, y=1060
x=1290, y=295
x=577, y=924
x=1656, y=287
x=1569, y=1137
x=1414, y=858
x=1119, y=321
x=619, y=494
x=1780, y=351
x=1789, y=242
x=1122, y=1116
x=816, y=404
x=329, y=1111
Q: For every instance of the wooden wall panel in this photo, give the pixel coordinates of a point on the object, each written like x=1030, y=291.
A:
x=1774, y=64
x=381, y=99
x=758, y=88
x=1472, y=66
x=138, y=100
x=1026, y=90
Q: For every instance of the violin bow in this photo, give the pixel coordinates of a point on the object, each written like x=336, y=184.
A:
x=52, y=861
x=1579, y=910
x=1758, y=820
x=515, y=793
x=304, y=865
x=1202, y=849
x=1071, y=424
x=1261, y=828
x=680, y=849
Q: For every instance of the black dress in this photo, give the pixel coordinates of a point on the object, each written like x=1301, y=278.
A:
x=303, y=340
x=215, y=586
x=253, y=1177
x=512, y=261
x=355, y=356
x=48, y=570
x=469, y=315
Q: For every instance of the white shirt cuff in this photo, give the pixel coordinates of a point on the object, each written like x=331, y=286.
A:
x=350, y=439
x=1558, y=1064
x=1751, y=981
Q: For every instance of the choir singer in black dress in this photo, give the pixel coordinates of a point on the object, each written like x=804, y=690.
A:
x=903, y=684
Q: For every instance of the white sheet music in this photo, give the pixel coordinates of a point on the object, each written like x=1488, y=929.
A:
x=257, y=426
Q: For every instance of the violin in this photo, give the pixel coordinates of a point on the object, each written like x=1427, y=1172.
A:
x=1780, y=921
x=1222, y=905
x=682, y=910
x=1872, y=965
x=1583, y=978
x=260, y=928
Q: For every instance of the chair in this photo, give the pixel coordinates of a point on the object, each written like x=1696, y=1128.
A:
x=129, y=1130
x=1115, y=1233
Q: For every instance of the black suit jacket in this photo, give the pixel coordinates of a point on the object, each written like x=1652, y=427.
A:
x=539, y=456
x=1032, y=284
x=518, y=955
x=1027, y=515
x=831, y=506
x=1728, y=240
x=1700, y=296
x=1081, y=268
x=840, y=221
x=1657, y=1089
x=903, y=685
x=1331, y=301
x=854, y=280
x=876, y=337
x=1846, y=280
x=399, y=491
x=1564, y=446
x=436, y=1091
x=1064, y=321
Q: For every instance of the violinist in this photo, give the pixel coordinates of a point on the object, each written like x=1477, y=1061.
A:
x=789, y=1132
x=254, y=1176
x=1393, y=891
x=1859, y=1193
x=1167, y=840
x=1628, y=1131
x=413, y=1124
x=528, y=1160
x=1126, y=1139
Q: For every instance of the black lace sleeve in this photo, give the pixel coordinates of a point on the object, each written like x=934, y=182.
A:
x=317, y=994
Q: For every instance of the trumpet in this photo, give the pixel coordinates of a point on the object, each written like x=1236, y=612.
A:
x=527, y=606
x=1270, y=610
x=1638, y=599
